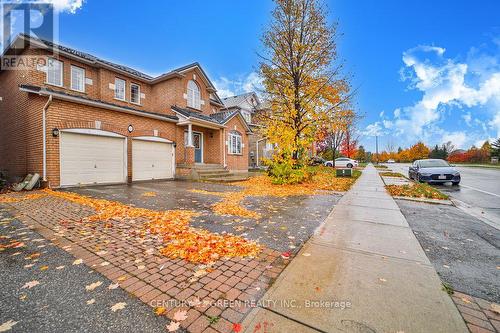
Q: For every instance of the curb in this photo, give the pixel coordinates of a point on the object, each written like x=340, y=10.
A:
x=425, y=200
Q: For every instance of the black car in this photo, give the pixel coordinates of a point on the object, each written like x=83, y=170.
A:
x=433, y=171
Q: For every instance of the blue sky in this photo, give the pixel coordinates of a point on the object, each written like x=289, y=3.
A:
x=426, y=70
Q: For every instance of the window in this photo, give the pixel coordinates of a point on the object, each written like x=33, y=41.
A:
x=193, y=95
x=135, y=93
x=235, y=143
x=247, y=116
x=54, y=72
x=77, y=78
x=120, y=89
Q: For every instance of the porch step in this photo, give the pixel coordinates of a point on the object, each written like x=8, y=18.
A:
x=214, y=173
x=229, y=179
x=208, y=166
x=210, y=170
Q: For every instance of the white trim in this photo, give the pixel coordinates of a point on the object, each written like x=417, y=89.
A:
x=193, y=99
x=91, y=131
x=151, y=138
x=47, y=73
x=230, y=143
x=124, y=99
x=138, y=93
x=201, y=123
x=44, y=138
x=71, y=78
x=202, y=143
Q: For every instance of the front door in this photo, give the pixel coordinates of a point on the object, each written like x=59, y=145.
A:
x=198, y=147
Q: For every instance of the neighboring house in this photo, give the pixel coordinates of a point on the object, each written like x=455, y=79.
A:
x=84, y=120
x=250, y=106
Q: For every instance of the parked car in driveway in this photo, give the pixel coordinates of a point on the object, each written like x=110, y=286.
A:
x=433, y=171
x=343, y=162
x=391, y=161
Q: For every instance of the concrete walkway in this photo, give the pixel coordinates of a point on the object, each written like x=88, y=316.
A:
x=366, y=258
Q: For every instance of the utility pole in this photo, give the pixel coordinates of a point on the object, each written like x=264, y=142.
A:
x=376, y=147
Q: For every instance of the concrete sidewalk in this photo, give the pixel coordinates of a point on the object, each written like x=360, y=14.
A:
x=366, y=258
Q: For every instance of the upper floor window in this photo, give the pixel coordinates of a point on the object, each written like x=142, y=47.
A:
x=77, y=78
x=235, y=143
x=54, y=72
x=135, y=93
x=120, y=89
x=247, y=116
x=193, y=95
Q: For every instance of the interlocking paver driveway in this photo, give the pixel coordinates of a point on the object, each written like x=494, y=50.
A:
x=215, y=301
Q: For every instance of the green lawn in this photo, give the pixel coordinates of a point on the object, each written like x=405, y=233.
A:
x=478, y=165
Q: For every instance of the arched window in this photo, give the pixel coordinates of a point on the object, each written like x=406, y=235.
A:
x=193, y=95
x=235, y=143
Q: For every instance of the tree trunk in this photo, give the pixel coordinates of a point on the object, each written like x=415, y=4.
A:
x=333, y=154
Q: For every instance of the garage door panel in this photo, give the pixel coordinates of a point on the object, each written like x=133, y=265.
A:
x=152, y=160
x=92, y=159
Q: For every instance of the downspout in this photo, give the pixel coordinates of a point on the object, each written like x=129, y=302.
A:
x=257, y=150
x=44, y=137
x=224, y=146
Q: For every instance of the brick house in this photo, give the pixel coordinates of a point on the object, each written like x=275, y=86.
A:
x=79, y=120
x=249, y=105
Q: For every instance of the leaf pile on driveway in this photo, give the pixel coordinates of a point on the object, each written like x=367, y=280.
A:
x=180, y=239
x=11, y=199
x=231, y=203
x=415, y=191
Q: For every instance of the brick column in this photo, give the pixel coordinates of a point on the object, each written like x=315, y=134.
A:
x=189, y=152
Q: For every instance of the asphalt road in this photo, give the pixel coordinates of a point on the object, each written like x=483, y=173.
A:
x=478, y=192
x=464, y=251
x=60, y=302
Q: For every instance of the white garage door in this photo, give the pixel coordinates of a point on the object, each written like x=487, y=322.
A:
x=92, y=159
x=152, y=160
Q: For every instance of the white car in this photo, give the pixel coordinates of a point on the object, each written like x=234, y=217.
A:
x=342, y=162
x=391, y=161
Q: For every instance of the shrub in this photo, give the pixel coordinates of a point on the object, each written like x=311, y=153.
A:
x=285, y=172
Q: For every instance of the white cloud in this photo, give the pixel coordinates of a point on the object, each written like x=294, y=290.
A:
x=387, y=123
x=253, y=82
x=457, y=138
x=230, y=87
x=467, y=118
x=373, y=129
x=495, y=123
x=448, y=87
x=224, y=87
x=70, y=6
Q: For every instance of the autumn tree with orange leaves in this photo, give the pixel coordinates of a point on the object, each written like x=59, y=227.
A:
x=303, y=89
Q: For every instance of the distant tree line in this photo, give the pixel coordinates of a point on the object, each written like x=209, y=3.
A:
x=446, y=151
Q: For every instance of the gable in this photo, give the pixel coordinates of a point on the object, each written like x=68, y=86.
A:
x=237, y=119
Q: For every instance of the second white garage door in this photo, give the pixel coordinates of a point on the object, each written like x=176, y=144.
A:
x=152, y=160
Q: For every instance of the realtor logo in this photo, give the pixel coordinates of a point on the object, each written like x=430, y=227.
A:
x=35, y=19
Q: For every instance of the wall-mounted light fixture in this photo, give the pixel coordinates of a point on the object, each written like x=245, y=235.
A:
x=55, y=132
x=130, y=128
